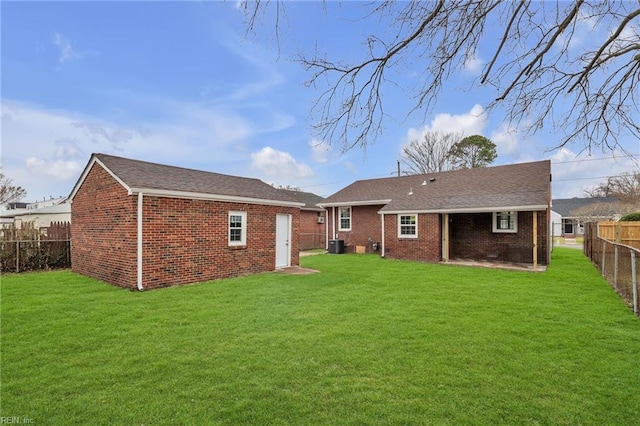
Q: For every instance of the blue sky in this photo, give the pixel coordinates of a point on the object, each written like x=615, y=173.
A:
x=181, y=83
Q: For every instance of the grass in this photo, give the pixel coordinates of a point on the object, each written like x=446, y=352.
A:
x=367, y=341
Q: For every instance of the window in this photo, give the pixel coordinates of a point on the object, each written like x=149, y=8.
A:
x=568, y=226
x=505, y=222
x=345, y=219
x=407, y=226
x=237, y=228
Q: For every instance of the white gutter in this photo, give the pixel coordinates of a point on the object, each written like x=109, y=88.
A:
x=382, y=242
x=354, y=203
x=139, y=262
x=471, y=210
x=213, y=197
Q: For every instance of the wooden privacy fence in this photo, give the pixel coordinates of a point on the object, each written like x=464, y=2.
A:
x=31, y=249
x=618, y=263
x=627, y=233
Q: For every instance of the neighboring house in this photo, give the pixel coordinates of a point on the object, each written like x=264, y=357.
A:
x=143, y=225
x=39, y=214
x=568, y=215
x=9, y=212
x=43, y=216
x=494, y=213
x=312, y=223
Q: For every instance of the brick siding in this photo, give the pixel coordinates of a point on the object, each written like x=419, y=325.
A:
x=103, y=230
x=426, y=248
x=312, y=233
x=472, y=237
x=184, y=240
x=365, y=228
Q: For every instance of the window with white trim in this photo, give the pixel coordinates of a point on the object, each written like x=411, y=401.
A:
x=407, y=226
x=237, y=228
x=505, y=222
x=345, y=218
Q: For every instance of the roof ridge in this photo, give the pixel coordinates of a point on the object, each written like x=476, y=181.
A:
x=98, y=155
x=452, y=171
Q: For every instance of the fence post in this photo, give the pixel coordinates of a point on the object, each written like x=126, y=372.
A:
x=604, y=256
x=615, y=266
x=634, y=280
x=17, y=256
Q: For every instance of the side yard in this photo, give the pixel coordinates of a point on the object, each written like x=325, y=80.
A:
x=366, y=341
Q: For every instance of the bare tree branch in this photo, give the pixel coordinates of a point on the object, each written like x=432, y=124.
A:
x=9, y=192
x=540, y=77
x=431, y=153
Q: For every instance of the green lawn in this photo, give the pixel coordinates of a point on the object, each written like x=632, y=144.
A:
x=367, y=341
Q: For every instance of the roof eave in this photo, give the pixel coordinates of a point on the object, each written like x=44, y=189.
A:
x=94, y=159
x=213, y=197
x=468, y=209
x=354, y=203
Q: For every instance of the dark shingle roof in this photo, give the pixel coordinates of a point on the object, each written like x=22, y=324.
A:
x=517, y=185
x=142, y=175
x=309, y=199
x=566, y=207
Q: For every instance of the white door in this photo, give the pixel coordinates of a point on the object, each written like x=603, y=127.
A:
x=283, y=236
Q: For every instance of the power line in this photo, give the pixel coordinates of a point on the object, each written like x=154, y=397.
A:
x=632, y=156
x=587, y=178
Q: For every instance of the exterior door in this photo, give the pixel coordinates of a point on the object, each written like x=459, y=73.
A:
x=283, y=236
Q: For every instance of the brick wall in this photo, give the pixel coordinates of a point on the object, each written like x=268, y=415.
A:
x=365, y=228
x=103, y=230
x=472, y=237
x=312, y=233
x=426, y=248
x=184, y=241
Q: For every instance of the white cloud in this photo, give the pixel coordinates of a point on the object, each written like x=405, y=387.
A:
x=574, y=173
x=45, y=150
x=55, y=168
x=65, y=50
x=471, y=123
x=506, y=139
x=279, y=164
x=320, y=150
x=473, y=63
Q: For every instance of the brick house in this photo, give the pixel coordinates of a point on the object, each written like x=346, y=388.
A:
x=312, y=224
x=495, y=213
x=143, y=225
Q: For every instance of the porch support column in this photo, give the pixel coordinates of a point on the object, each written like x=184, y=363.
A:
x=535, y=240
x=445, y=239
x=382, y=242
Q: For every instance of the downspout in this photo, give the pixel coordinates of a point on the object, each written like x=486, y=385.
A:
x=333, y=222
x=139, y=279
x=326, y=229
x=382, y=242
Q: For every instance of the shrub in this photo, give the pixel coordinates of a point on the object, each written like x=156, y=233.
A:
x=631, y=217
